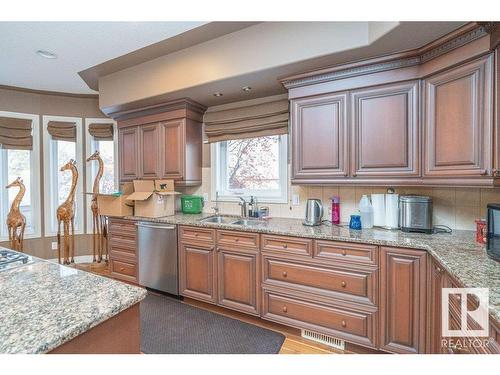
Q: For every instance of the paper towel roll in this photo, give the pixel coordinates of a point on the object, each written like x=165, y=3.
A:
x=392, y=211
x=378, y=203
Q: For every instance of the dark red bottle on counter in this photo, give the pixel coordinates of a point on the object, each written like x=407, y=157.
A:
x=335, y=210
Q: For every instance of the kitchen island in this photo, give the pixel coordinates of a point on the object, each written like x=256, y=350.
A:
x=46, y=307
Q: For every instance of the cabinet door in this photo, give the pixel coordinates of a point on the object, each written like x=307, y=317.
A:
x=319, y=137
x=435, y=308
x=173, y=147
x=197, y=271
x=238, y=280
x=403, y=300
x=149, y=136
x=385, y=131
x=457, y=120
x=128, y=151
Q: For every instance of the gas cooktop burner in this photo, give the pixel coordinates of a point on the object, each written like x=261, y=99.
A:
x=10, y=259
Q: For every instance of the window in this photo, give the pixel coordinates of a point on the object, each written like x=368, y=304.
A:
x=24, y=164
x=253, y=166
x=57, y=183
x=108, y=152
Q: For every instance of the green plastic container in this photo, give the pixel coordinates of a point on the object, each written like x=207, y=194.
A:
x=191, y=204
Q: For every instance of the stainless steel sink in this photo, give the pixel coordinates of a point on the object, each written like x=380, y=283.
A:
x=218, y=220
x=247, y=222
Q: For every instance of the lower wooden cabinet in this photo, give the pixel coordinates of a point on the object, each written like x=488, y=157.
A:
x=403, y=303
x=238, y=280
x=197, y=271
x=122, y=249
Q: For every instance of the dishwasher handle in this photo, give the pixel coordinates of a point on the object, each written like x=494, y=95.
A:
x=169, y=227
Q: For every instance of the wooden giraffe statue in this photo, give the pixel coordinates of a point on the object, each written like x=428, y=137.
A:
x=98, y=221
x=66, y=214
x=15, y=219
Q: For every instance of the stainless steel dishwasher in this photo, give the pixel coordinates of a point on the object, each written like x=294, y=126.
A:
x=157, y=248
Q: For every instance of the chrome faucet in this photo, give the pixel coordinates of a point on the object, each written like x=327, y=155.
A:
x=243, y=204
x=216, y=207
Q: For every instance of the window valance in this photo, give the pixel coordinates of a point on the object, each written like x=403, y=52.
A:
x=16, y=133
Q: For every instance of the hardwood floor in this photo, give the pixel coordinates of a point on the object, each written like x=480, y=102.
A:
x=293, y=344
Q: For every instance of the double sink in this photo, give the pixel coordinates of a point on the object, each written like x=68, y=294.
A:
x=244, y=222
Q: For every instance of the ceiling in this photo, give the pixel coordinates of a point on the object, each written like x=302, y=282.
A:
x=78, y=45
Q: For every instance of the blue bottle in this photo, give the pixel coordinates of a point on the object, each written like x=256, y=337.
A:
x=355, y=222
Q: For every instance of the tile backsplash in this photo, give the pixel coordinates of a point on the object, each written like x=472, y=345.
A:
x=454, y=207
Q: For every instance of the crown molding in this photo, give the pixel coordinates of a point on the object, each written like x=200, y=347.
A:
x=450, y=42
x=53, y=93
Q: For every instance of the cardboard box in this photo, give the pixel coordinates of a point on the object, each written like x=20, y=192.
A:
x=153, y=198
x=115, y=204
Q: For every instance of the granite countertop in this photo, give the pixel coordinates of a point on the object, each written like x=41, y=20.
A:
x=44, y=305
x=459, y=254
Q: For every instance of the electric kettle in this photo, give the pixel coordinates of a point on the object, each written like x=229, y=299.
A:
x=314, y=212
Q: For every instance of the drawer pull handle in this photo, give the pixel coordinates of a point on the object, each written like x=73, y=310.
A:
x=344, y=253
x=237, y=239
x=344, y=324
x=285, y=274
x=196, y=234
x=343, y=284
x=285, y=246
x=285, y=309
x=122, y=269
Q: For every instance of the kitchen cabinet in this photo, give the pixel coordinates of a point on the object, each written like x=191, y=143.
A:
x=197, y=271
x=458, y=121
x=385, y=131
x=128, y=145
x=149, y=151
x=238, y=279
x=403, y=285
x=122, y=247
x=167, y=144
x=319, y=137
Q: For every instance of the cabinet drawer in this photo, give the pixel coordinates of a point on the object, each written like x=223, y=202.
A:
x=340, y=321
x=232, y=238
x=345, y=252
x=341, y=282
x=291, y=245
x=197, y=234
x=125, y=242
x=119, y=250
x=122, y=269
x=122, y=228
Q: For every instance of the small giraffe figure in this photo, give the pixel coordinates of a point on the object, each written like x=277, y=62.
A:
x=66, y=214
x=15, y=219
x=98, y=221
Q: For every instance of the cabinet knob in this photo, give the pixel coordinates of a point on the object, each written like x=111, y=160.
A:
x=196, y=234
x=237, y=239
x=285, y=309
x=344, y=324
x=285, y=246
x=343, y=284
x=284, y=274
x=122, y=269
x=344, y=253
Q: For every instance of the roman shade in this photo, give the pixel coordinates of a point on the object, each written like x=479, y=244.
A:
x=101, y=132
x=62, y=130
x=15, y=133
x=265, y=119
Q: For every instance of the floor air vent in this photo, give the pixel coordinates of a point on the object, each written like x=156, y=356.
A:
x=323, y=339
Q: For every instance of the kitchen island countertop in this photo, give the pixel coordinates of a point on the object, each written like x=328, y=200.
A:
x=458, y=252
x=44, y=305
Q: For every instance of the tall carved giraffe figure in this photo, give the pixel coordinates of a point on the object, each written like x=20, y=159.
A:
x=98, y=221
x=66, y=214
x=15, y=219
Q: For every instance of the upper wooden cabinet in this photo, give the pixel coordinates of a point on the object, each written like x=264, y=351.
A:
x=319, y=137
x=385, y=131
x=458, y=120
x=419, y=117
x=128, y=145
x=164, y=144
x=149, y=147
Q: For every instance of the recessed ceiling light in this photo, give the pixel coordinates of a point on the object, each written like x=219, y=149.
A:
x=46, y=54
x=246, y=88
x=217, y=94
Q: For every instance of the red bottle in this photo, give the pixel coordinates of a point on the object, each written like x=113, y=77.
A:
x=335, y=210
